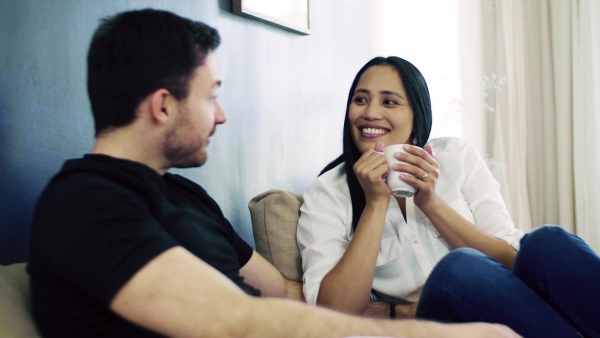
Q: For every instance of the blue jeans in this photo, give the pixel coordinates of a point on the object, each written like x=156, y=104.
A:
x=553, y=290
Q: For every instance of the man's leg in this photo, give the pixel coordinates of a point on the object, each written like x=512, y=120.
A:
x=468, y=286
x=565, y=272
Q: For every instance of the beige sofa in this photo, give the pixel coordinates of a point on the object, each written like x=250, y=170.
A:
x=274, y=217
x=16, y=320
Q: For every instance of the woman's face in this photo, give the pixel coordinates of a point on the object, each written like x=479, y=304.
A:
x=379, y=110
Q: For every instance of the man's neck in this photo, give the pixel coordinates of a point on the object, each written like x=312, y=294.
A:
x=121, y=144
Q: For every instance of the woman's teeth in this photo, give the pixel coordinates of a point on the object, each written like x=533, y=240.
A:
x=373, y=131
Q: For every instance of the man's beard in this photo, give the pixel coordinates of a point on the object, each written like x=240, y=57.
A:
x=182, y=154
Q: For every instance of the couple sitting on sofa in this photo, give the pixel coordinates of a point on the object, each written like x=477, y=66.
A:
x=120, y=247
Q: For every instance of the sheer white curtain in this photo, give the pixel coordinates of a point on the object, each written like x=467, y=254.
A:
x=544, y=113
x=586, y=119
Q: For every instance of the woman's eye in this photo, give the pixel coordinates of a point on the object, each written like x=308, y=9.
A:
x=360, y=100
x=389, y=102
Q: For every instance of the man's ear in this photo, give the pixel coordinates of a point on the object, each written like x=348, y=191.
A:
x=161, y=105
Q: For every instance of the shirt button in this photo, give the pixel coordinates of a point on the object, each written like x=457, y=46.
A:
x=416, y=241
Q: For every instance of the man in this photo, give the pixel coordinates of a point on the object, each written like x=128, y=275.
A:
x=122, y=248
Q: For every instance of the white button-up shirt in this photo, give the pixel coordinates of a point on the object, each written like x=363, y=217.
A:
x=409, y=249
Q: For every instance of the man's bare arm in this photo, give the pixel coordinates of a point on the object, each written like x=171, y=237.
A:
x=178, y=295
x=262, y=275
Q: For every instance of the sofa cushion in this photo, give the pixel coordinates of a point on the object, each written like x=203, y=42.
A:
x=15, y=303
x=275, y=216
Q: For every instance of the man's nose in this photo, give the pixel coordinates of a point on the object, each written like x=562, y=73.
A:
x=220, y=116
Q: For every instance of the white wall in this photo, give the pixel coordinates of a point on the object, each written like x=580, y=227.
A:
x=442, y=39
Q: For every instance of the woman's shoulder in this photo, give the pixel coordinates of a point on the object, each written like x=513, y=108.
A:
x=455, y=151
x=332, y=180
x=448, y=144
x=335, y=175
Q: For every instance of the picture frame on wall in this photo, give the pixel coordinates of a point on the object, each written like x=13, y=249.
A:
x=290, y=15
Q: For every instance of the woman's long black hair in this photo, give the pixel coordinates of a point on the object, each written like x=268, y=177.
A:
x=420, y=102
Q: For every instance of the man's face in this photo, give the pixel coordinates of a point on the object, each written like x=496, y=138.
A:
x=197, y=118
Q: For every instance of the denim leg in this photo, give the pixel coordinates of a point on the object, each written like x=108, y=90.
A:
x=468, y=286
x=565, y=272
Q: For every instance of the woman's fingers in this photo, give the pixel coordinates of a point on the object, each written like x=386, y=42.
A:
x=418, y=156
x=422, y=170
x=371, y=164
x=417, y=162
x=419, y=173
x=371, y=169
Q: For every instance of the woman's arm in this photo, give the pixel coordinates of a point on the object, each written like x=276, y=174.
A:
x=347, y=287
x=339, y=272
x=479, y=188
x=459, y=233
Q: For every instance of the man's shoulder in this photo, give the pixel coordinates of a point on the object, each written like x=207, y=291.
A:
x=87, y=186
x=177, y=183
x=79, y=175
x=73, y=177
x=172, y=178
x=184, y=191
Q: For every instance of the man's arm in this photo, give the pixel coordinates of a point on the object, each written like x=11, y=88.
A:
x=382, y=310
x=178, y=295
x=262, y=275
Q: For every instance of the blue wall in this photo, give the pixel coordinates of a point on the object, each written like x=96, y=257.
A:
x=284, y=94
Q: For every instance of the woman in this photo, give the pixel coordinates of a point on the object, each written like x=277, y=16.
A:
x=360, y=243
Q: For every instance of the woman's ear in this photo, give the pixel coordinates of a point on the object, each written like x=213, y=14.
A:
x=161, y=105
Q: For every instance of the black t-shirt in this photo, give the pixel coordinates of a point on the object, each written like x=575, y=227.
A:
x=98, y=222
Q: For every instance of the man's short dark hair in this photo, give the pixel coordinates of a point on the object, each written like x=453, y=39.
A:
x=134, y=53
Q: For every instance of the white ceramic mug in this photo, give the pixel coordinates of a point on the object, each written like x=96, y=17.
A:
x=399, y=187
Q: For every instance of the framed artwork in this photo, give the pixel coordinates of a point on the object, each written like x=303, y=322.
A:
x=291, y=15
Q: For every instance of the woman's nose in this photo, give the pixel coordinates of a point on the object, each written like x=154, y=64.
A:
x=372, y=112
